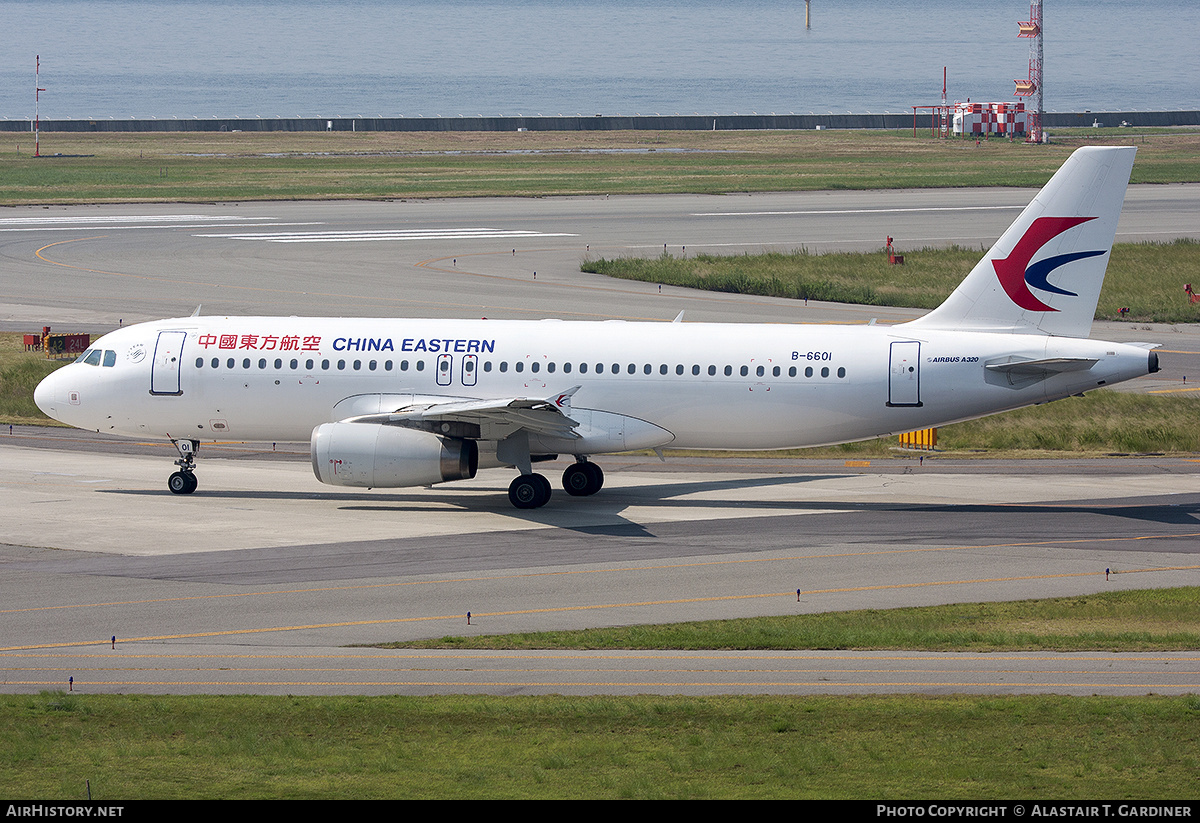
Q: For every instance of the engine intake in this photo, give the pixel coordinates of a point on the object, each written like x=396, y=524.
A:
x=378, y=456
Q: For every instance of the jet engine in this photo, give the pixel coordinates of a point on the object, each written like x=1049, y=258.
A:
x=379, y=456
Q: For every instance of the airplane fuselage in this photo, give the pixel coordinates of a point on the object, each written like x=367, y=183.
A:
x=693, y=385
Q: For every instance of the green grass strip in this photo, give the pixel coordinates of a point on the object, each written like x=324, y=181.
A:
x=207, y=167
x=133, y=747
x=1145, y=278
x=1140, y=620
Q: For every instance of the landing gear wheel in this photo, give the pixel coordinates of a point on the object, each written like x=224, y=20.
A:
x=529, y=491
x=182, y=483
x=582, y=479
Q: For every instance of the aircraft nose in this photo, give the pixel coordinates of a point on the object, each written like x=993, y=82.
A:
x=45, y=395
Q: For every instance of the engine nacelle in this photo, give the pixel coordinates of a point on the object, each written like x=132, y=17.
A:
x=378, y=456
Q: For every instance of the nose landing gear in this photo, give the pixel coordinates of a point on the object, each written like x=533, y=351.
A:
x=184, y=481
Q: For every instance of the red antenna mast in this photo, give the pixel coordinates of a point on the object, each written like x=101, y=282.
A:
x=1033, y=86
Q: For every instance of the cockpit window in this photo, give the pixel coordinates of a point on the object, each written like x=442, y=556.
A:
x=93, y=357
x=83, y=357
x=110, y=358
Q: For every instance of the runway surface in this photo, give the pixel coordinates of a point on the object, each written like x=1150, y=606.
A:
x=260, y=580
x=90, y=267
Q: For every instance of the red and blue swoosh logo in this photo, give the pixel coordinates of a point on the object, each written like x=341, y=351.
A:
x=1015, y=273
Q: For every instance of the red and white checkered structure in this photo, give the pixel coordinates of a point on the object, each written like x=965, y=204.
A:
x=989, y=118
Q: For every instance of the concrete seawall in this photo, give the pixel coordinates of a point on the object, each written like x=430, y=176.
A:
x=723, y=122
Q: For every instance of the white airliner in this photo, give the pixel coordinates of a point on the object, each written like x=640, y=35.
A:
x=393, y=402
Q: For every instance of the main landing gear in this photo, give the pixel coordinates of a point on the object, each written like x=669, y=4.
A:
x=532, y=491
x=184, y=481
x=582, y=478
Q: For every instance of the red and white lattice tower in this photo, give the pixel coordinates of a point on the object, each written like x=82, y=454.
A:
x=1033, y=86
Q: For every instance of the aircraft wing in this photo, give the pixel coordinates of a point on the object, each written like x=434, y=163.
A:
x=485, y=419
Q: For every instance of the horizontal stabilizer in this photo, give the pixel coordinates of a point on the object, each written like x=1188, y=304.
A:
x=1043, y=368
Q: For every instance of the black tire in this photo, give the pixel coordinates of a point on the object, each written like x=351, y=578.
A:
x=529, y=491
x=577, y=480
x=582, y=479
x=597, y=477
x=179, y=483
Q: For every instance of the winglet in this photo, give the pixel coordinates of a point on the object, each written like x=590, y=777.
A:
x=562, y=402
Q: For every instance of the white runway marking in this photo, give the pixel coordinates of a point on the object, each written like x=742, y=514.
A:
x=852, y=211
x=136, y=221
x=86, y=219
x=384, y=235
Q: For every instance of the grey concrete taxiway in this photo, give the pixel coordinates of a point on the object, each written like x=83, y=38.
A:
x=262, y=579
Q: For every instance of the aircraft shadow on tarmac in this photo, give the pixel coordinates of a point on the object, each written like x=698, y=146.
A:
x=589, y=515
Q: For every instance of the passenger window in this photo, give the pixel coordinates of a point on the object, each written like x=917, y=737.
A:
x=760, y=371
x=230, y=363
x=199, y=362
x=520, y=367
x=295, y=364
x=371, y=365
x=535, y=366
x=216, y=363
x=824, y=371
x=712, y=371
x=278, y=364
x=728, y=371
x=808, y=371
x=262, y=362
x=246, y=363
x=841, y=372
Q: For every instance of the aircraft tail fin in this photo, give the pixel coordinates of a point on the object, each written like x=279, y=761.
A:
x=1043, y=276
